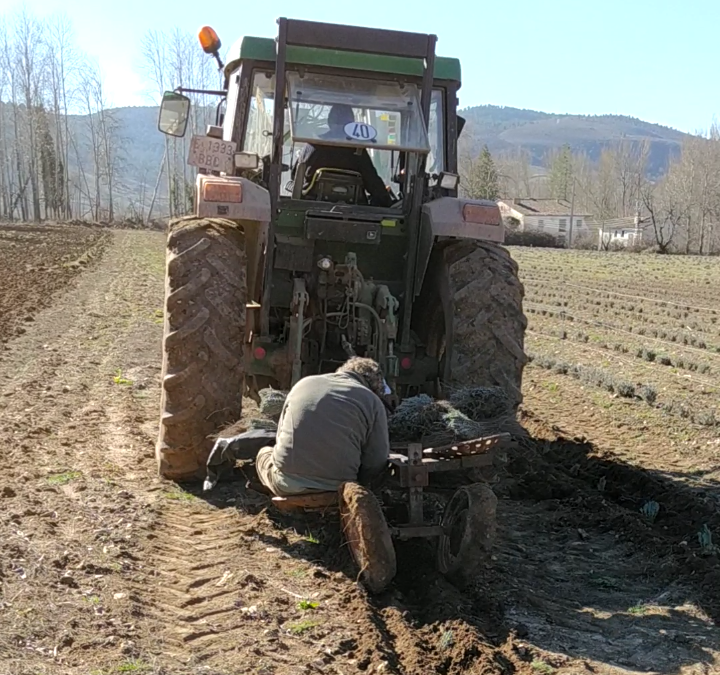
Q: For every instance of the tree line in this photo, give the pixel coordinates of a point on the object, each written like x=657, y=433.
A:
x=61, y=145
x=678, y=211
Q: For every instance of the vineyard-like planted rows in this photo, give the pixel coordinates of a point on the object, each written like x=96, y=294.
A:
x=645, y=328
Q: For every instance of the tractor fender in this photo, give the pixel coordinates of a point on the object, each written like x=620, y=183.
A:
x=246, y=203
x=231, y=197
x=456, y=218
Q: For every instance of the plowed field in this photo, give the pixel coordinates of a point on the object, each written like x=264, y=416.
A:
x=107, y=569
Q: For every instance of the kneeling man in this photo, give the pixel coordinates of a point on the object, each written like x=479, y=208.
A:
x=333, y=429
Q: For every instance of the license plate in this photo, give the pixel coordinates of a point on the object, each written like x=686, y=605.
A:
x=211, y=154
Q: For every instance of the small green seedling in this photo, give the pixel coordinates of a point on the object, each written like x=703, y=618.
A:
x=63, y=478
x=306, y=605
x=650, y=510
x=302, y=627
x=132, y=666
x=542, y=667
x=312, y=539
x=447, y=640
x=119, y=379
x=705, y=540
x=181, y=496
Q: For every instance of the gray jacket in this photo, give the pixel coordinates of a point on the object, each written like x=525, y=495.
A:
x=332, y=429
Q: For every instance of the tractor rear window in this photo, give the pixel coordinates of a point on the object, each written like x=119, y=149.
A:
x=353, y=111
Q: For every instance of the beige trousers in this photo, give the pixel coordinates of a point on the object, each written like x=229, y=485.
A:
x=283, y=485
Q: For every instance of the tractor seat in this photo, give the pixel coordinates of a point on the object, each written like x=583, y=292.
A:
x=337, y=186
x=311, y=500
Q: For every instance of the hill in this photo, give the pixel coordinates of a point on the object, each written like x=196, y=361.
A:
x=503, y=129
x=141, y=146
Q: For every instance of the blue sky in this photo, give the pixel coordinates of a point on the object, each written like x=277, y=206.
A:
x=656, y=60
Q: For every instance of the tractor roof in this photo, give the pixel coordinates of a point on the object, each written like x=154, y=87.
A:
x=263, y=49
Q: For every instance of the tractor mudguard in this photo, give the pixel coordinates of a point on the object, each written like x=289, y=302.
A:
x=452, y=217
x=244, y=202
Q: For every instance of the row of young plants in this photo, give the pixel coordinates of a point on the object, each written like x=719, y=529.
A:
x=646, y=314
x=644, y=353
x=676, y=337
x=607, y=381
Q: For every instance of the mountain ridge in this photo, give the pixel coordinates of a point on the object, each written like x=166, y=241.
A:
x=501, y=128
x=504, y=128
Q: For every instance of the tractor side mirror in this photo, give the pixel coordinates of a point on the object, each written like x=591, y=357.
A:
x=174, y=114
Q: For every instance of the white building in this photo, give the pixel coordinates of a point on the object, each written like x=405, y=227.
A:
x=620, y=232
x=552, y=216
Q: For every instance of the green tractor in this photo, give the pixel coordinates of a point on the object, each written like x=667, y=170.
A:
x=270, y=281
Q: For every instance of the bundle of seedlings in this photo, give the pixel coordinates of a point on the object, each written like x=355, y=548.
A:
x=471, y=412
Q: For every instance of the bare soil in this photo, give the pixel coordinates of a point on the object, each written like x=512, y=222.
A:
x=106, y=568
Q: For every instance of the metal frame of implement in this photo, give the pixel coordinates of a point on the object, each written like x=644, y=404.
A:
x=413, y=469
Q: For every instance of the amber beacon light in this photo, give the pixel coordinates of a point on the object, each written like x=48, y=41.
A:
x=209, y=40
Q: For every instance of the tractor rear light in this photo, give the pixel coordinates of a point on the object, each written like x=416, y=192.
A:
x=406, y=363
x=481, y=214
x=259, y=353
x=209, y=40
x=222, y=192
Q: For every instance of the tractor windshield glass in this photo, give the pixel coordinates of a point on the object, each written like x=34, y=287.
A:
x=356, y=112
x=259, y=124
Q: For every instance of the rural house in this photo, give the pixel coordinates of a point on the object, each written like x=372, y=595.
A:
x=620, y=231
x=551, y=216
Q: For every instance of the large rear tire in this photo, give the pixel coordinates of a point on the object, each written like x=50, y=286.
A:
x=475, y=321
x=203, y=369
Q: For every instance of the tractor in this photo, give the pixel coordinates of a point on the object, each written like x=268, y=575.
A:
x=269, y=281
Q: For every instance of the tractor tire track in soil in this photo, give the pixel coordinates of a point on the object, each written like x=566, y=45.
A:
x=195, y=555
x=107, y=569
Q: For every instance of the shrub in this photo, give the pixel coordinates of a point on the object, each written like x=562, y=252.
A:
x=648, y=394
x=625, y=389
x=530, y=238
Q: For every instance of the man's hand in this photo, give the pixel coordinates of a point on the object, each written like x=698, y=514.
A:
x=390, y=401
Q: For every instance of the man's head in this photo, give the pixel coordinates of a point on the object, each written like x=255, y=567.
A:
x=368, y=370
x=340, y=115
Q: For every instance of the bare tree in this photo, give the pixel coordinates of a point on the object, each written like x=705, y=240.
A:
x=664, y=214
x=6, y=175
x=102, y=135
x=63, y=63
x=517, y=178
x=630, y=166
x=29, y=64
